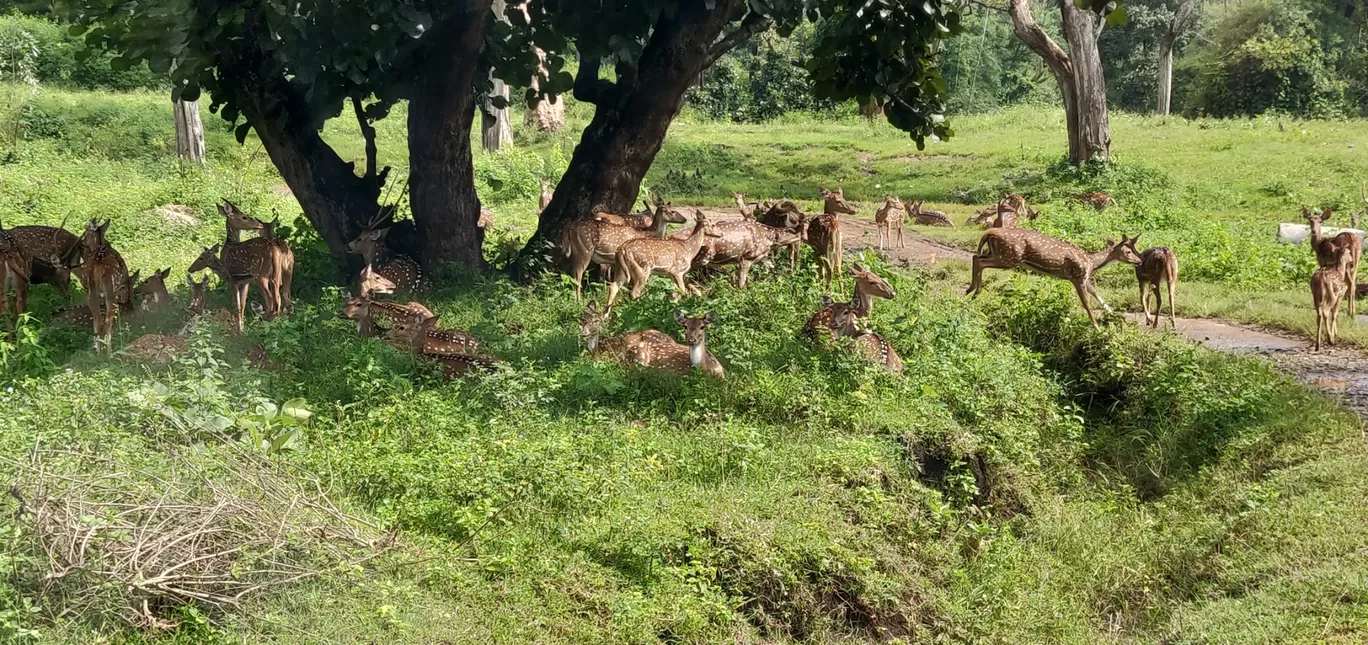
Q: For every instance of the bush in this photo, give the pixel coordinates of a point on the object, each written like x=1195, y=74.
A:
x=61, y=62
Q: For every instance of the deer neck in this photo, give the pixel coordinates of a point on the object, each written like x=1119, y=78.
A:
x=592, y=342
x=695, y=241
x=1100, y=259
x=698, y=353
x=862, y=304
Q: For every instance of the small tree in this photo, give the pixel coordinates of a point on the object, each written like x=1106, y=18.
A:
x=189, y=131
x=1182, y=19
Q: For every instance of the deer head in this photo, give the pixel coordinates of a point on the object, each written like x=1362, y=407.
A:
x=871, y=284
x=372, y=283
x=591, y=324
x=695, y=333
x=153, y=289
x=413, y=331
x=208, y=259
x=1125, y=251
x=668, y=211
x=834, y=202
x=94, y=236
x=199, y=293
x=237, y=219
x=892, y=201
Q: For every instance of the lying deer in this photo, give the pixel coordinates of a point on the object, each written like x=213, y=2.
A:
x=890, y=217
x=874, y=347
x=670, y=356
x=928, y=217
x=640, y=258
x=1098, y=200
x=104, y=272
x=1006, y=216
x=421, y=334
x=618, y=348
x=1328, y=286
x=1157, y=264
x=1328, y=255
x=151, y=293
x=741, y=242
x=598, y=241
x=14, y=274
x=868, y=286
x=824, y=234
x=1006, y=248
x=199, y=294
x=546, y=194
x=402, y=269
x=52, y=252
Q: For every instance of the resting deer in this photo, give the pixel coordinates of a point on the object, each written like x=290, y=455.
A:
x=52, y=252
x=1098, y=200
x=406, y=272
x=104, y=271
x=546, y=194
x=868, y=286
x=14, y=274
x=1327, y=255
x=638, y=259
x=1328, y=286
x=874, y=347
x=670, y=356
x=421, y=334
x=890, y=217
x=928, y=217
x=1006, y=216
x=1019, y=206
x=199, y=294
x=616, y=347
x=598, y=241
x=152, y=291
x=984, y=218
x=284, y=264
x=1158, y=264
x=741, y=242
x=824, y=234
x=746, y=209
x=1006, y=248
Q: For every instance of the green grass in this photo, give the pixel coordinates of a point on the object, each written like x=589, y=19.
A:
x=1027, y=479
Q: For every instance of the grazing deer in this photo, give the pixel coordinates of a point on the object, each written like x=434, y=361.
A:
x=284, y=263
x=1328, y=286
x=1328, y=255
x=14, y=274
x=927, y=217
x=868, y=286
x=747, y=210
x=1098, y=200
x=406, y=272
x=199, y=294
x=741, y=242
x=874, y=347
x=890, y=217
x=420, y=333
x=616, y=347
x=546, y=194
x=824, y=234
x=1158, y=264
x=152, y=291
x=104, y=271
x=671, y=356
x=1006, y=248
x=52, y=251
x=638, y=259
x=785, y=215
x=595, y=240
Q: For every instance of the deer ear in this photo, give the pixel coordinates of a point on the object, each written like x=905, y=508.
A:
x=345, y=293
x=1111, y=242
x=679, y=317
x=827, y=301
x=165, y=273
x=1135, y=239
x=133, y=279
x=709, y=317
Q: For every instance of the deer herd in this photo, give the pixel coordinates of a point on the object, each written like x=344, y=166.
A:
x=628, y=249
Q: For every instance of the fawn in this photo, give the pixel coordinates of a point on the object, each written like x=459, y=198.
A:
x=890, y=217
x=1158, y=264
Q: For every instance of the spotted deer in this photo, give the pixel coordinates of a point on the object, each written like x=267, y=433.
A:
x=747, y=209
x=1006, y=248
x=868, y=286
x=53, y=253
x=1006, y=216
x=593, y=240
x=199, y=294
x=284, y=265
x=1328, y=255
x=546, y=194
x=642, y=219
x=873, y=346
x=152, y=293
x=785, y=215
x=824, y=234
x=670, y=356
x=14, y=274
x=1098, y=200
x=615, y=347
x=640, y=258
x=1328, y=286
x=928, y=217
x=890, y=217
x=742, y=242
x=1157, y=264
x=405, y=271
x=421, y=334
x=104, y=271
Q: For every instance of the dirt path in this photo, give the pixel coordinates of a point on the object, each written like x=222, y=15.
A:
x=858, y=234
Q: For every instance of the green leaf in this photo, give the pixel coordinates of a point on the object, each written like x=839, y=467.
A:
x=241, y=132
x=1117, y=17
x=120, y=64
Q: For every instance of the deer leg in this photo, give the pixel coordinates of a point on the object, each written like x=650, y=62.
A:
x=578, y=265
x=93, y=304
x=613, y=287
x=1173, y=316
x=111, y=307
x=743, y=273
x=1093, y=290
x=975, y=277
x=679, y=284
x=240, y=292
x=1083, y=289
x=901, y=243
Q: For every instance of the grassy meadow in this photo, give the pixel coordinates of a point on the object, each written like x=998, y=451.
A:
x=1026, y=479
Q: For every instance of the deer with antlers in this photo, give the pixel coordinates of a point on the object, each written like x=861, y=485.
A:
x=1329, y=255
x=1006, y=248
x=824, y=233
x=928, y=217
x=638, y=259
x=402, y=269
x=14, y=274
x=104, y=272
x=868, y=286
x=890, y=217
x=873, y=346
x=598, y=241
x=1157, y=264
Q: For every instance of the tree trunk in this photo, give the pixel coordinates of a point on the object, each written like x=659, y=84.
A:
x=631, y=118
x=1082, y=87
x=189, y=131
x=549, y=113
x=496, y=130
x=442, y=177
x=1165, y=74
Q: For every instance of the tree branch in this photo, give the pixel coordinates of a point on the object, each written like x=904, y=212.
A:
x=368, y=133
x=588, y=86
x=1030, y=33
x=753, y=23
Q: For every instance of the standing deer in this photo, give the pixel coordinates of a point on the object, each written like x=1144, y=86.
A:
x=544, y=199
x=284, y=265
x=868, y=286
x=741, y=242
x=152, y=291
x=670, y=356
x=1328, y=255
x=874, y=347
x=104, y=271
x=14, y=274
x=593, y=240
x=1158, y=264
x=638, y=259
x=406, y=272
x=52, y=251
x=890, y=217
x=824, y=234
x=928, y=217
x=1328, y=286
x=786, y=216
x=1006, y=248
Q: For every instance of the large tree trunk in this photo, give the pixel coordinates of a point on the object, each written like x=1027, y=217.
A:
x=441, y=176
x=1082, y=87
x=632, y=116
x=189, y=131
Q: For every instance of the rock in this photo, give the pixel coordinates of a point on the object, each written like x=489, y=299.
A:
x=177, y=215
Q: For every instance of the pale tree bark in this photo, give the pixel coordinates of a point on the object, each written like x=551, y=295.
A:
x=549, y=113
x=496, y=131
x=1175, y=29
x=189, y=131
x=1078, y=73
